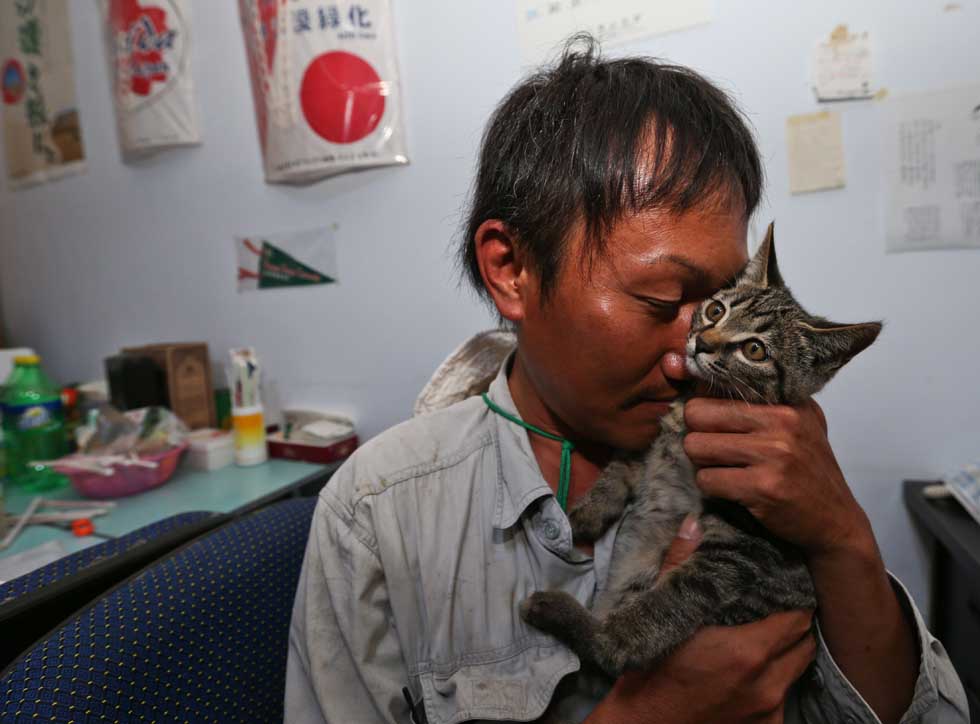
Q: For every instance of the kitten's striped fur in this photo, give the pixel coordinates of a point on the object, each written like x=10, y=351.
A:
x=739, y=573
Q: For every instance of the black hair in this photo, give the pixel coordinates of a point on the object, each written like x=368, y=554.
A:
x=567, y=144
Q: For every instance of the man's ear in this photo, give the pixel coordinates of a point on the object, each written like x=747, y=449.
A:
x=503, y=268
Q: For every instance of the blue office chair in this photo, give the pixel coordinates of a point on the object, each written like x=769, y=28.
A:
x=200, y=635
x=33, y=604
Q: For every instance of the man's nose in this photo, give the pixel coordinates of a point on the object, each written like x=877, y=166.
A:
x=674, y=362
x=674, y=365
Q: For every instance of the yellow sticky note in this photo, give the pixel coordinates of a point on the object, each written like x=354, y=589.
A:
x=815, y=147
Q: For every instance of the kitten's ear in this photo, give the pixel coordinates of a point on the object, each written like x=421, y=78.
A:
x=762, y=269
x=834, y=345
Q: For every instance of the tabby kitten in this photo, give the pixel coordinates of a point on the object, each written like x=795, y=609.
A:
x=751, y=341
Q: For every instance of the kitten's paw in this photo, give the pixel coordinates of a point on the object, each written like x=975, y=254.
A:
x=587, y=524
x=549, y=610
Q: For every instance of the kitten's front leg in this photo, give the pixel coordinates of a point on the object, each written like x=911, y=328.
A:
x=559, y=614
x=653, y=621
x=606, y=500
x=635, y=634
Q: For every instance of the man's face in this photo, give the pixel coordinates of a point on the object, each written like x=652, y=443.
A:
x=605, y=352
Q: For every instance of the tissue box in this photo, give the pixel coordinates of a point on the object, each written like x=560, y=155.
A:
x=210, y=449
x=315, y=436
x=320, y=452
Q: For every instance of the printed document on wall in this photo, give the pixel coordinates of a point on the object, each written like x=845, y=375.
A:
x=932, y=170
x=543, y=25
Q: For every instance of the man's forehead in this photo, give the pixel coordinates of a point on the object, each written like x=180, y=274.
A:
x=706, y=246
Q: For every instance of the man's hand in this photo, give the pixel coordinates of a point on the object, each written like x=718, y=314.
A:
x=777, y=462
x=722, y=674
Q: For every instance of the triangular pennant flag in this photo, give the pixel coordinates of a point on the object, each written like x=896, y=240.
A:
x=294, y=258
x=279, y=269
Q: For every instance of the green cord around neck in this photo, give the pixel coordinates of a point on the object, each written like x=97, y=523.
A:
x=565, y=470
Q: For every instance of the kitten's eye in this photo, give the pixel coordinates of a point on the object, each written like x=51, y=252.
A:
x=754, y=350
x=715, y=311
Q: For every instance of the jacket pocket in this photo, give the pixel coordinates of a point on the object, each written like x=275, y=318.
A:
x=514, y=684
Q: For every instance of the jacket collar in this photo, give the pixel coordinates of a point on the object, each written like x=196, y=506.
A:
x=519, y=479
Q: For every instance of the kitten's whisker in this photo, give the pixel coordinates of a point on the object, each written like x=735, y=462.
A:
x=750, y=393
x=712, y=380
x=715, y=382
x=737, y=384
x=722, y=374
x=738, y=390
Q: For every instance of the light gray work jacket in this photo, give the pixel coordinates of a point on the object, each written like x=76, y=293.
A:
x=422, y=546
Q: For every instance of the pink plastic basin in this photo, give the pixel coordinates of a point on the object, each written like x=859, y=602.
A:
x=126, y=479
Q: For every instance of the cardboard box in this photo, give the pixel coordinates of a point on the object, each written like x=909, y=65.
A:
x=187, y=367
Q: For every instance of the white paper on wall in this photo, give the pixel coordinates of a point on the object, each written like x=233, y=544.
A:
x=815, y=148
x=543, y=25
x=325, y=84
x=841, y=66
x=149, y=49
x=41, y=127
x=292, y=259
x=932, y=170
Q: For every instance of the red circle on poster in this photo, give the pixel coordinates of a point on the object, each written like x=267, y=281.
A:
x=343, y=98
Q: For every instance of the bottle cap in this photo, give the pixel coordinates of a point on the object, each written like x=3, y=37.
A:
x=27, y=359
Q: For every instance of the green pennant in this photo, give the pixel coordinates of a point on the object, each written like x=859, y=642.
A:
x=279, y=269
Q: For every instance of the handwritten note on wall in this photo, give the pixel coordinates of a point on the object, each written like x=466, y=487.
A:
x=841, y=67
x=815, y=147
x=544, y=24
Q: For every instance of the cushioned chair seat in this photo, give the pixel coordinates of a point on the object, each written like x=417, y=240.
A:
x=199, y=636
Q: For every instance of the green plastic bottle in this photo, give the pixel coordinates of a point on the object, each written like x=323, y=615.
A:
x=33, y=426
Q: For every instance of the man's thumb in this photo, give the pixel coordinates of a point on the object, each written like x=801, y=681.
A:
x=687, y=540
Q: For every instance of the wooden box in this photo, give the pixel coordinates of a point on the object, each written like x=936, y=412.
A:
x=187, y=367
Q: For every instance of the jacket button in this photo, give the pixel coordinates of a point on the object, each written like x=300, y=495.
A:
x=816, y=678
x=551, y=530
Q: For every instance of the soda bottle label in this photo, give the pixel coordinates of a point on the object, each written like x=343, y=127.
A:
x=32, y=416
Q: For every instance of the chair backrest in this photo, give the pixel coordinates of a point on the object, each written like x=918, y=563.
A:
x=200, y=635
x=33, y=604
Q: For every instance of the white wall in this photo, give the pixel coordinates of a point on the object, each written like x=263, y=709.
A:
x=131, y=254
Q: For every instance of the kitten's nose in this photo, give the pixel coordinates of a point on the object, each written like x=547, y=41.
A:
x=701, y=346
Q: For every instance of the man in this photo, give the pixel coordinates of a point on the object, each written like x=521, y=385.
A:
x=612, y=197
